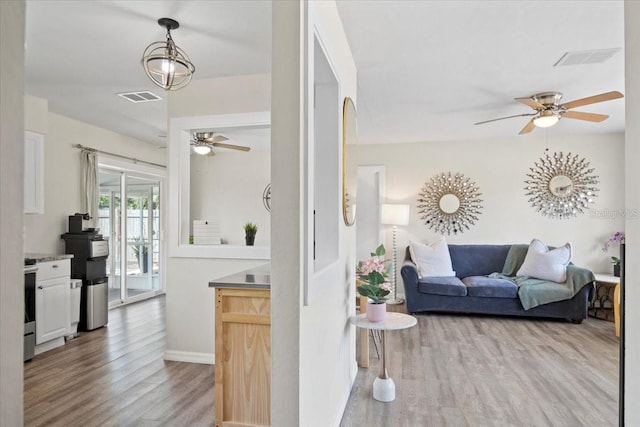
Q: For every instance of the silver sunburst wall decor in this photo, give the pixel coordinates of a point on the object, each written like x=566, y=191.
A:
x=449, y=203
x=561, y=185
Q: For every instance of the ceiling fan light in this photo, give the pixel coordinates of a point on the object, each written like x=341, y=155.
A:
x=166, y=65
x=202, y=149
x=546, y=119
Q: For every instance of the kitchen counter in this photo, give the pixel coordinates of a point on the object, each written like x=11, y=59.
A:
x=243, y=347
x=257, y=278
x=47, y=257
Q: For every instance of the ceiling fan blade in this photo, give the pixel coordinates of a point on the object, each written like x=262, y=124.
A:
x=590, y=117
x=531, y=103
x=217, y=138
x=528, y=127
x=231, y=146
x=211, y=153
x=503, y=118
x=608, y=96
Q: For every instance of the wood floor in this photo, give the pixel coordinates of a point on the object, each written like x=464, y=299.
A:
x=115, y=376
x=459, y=370
x=449, y=371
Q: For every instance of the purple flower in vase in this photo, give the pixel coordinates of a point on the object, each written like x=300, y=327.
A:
x=616, y=239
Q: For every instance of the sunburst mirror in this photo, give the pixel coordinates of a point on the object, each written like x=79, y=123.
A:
x=561, y=185
x=449, y=203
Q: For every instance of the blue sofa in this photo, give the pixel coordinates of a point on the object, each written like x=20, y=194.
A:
x=473, y=291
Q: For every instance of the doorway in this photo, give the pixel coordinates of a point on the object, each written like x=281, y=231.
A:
x=133, y=227
x=371, y=191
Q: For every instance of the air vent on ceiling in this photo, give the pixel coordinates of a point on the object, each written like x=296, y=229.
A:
x=595, y=56
x=141, y=96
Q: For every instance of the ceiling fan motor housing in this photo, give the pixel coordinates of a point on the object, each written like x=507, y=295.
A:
x=551, y=100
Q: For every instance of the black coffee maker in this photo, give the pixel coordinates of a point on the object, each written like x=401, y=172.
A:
x=80, y=223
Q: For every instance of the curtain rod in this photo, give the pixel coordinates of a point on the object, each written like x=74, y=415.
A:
x=133, y=159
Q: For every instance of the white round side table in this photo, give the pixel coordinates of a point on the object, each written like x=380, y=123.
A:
x=384, y=389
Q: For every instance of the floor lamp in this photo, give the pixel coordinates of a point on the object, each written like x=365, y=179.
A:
x=394, y=215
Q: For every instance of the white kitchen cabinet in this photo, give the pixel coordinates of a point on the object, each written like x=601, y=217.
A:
x=33, y=172
x=53, y=315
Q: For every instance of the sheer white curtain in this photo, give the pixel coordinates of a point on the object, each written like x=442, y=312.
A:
x=89, y=187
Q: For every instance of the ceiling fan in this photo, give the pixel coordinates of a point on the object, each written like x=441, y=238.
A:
x=548, y=109
x=203, y=143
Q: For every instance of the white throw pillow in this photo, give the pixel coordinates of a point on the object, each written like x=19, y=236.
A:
x=432, y=260
x=545, y=264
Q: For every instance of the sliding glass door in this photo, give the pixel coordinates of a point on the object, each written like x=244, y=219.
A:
x=133, y=228
x=143, y=225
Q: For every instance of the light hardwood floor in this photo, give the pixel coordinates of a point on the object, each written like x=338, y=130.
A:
x=460, y=370
x=115, y=376
x=449, y=371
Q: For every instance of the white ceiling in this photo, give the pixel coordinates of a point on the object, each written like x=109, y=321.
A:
x=427, y=70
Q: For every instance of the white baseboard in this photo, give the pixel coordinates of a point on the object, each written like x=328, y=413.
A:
x=345, y=398
x=49, y=345
x=190, y=357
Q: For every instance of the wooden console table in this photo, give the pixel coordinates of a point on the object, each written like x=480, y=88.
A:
x=606, y=305
x=243, y=349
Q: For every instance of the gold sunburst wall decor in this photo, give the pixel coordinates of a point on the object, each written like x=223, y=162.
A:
x=449, y=203
x=561, y=185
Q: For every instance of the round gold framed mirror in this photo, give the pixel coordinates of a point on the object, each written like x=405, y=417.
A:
x=449, y=203
x=560, y=185
x=349, y=161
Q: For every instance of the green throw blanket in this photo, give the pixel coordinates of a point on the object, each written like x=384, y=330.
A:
x=534, y=292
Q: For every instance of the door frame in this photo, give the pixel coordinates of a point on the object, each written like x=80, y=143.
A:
x=110, y=164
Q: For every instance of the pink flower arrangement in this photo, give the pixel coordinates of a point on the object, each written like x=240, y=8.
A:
x=373, y=274
x=372, y=264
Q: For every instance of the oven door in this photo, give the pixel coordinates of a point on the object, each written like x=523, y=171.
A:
x=29, y=313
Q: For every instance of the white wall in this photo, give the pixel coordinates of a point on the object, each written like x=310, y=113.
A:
x=62, y=173
x=632, y=177
x=225, y=95
x=499, y=169
x=190, y=302
x=12, y=22
x=313, y=347
x=227, y=188
x=36, y=114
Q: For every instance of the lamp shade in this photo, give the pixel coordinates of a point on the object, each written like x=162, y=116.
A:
x=395, y=214
x=546, y=119
x=202, y=149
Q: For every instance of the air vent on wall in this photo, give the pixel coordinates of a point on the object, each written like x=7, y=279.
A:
x=595, y=56
x=141, y=96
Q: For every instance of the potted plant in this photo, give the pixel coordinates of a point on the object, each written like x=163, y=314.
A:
x=250, y=230
x=616, y=265
x=141, y=251
x=616, y=239
x=372, y=274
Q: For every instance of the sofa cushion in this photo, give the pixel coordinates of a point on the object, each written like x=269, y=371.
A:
x=546, y=264
x=478, y=260
x=451, y=286
x=432, y=260
x=489, y=287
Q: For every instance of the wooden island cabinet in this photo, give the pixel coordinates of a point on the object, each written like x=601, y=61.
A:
x=243, y=349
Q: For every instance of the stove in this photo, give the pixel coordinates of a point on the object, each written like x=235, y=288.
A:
x=29, y=308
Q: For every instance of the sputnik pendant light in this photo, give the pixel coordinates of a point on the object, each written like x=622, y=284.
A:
x=166, y=64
